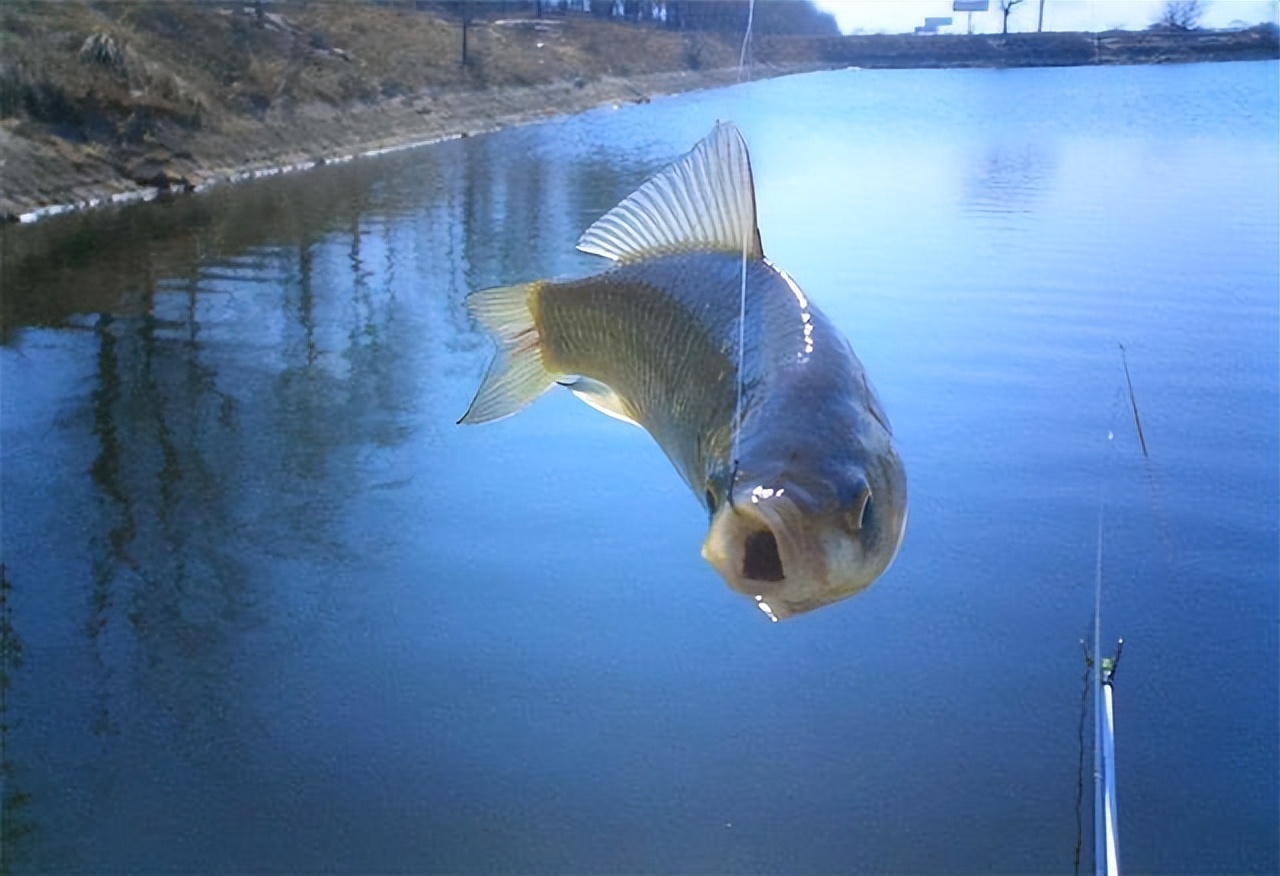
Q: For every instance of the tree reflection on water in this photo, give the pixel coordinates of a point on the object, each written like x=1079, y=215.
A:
x=15, y=826
x=258, y=356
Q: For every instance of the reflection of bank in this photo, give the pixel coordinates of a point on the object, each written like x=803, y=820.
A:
x=226, y=441
x=256, y=352
x=14, y=824
x=249, y=367
x=165, y=571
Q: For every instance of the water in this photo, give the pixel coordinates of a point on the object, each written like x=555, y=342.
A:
x=277, y=613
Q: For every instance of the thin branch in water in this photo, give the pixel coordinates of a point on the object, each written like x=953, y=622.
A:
x=1133, y=402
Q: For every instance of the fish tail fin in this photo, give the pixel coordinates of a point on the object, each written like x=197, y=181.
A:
x=516, y=375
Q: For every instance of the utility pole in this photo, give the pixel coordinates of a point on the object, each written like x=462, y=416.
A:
x=1040, y=23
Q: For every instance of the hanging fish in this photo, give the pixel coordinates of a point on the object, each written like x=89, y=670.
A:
x=787, y=444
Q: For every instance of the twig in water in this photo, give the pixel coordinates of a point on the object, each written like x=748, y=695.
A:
x=1133, y=402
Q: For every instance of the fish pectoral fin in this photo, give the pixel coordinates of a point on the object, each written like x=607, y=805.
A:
x=601, y=397
x=704, y=201
x=516, y=375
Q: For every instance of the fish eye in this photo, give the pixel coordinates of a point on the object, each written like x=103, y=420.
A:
x=856, y=517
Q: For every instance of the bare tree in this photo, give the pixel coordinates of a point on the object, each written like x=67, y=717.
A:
x=1182, y=14
x=1006, y=6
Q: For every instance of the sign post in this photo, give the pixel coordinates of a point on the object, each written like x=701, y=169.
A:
x=970, y=6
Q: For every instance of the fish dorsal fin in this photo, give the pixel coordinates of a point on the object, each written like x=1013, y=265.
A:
x=704, y=201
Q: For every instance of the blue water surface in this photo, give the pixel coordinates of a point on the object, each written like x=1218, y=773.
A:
x=270, y=610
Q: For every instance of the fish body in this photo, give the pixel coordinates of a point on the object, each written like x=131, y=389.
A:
x=785, y=441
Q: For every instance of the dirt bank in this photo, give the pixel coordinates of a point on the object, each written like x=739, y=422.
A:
x=48, y=174
x=111, y=100
x=104, y=101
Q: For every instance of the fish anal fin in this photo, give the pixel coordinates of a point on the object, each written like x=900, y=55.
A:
x=703, y=201
x=516, y=375
x=602, y=397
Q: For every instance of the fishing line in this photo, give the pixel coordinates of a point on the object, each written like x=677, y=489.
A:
x=1101, y=670
x=1090, y=653
x=744, y=202
x=737, y=404
x=1106, y=853
x=746, y=38
x=1098, y=824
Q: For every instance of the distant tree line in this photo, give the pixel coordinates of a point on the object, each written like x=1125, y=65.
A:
x=771, y=17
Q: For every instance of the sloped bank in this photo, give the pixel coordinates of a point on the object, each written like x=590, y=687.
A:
x=44, y=177
x=114, y=101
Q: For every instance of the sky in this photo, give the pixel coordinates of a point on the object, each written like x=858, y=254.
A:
x=903, y=16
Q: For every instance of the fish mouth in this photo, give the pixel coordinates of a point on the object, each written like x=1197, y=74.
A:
x=760, y=558
x=755, y=550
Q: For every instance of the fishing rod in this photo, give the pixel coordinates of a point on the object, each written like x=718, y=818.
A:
x=1106, y=843
x=1106, y=833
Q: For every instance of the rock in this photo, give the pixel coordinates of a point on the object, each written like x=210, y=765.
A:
x=158, y=172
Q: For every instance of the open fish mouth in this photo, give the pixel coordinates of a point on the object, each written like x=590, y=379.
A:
x=753, y=544
x=761, y=560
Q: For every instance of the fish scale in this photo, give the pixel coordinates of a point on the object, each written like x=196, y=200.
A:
x=663, y=334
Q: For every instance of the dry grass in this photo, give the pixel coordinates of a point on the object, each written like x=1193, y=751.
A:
x=96, y=67
x=99, y=97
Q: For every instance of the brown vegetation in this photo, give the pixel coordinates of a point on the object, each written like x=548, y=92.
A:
x=107, y=97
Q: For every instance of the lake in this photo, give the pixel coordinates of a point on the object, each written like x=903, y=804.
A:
x=268, y=609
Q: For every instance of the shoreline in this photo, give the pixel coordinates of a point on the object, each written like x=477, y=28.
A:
x=104, y=106
x=466, y=113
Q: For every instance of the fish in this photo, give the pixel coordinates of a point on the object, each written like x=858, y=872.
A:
x=756, y=398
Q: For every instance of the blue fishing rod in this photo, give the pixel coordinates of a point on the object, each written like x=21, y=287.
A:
x=1106, y=837
x=1106, y=845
